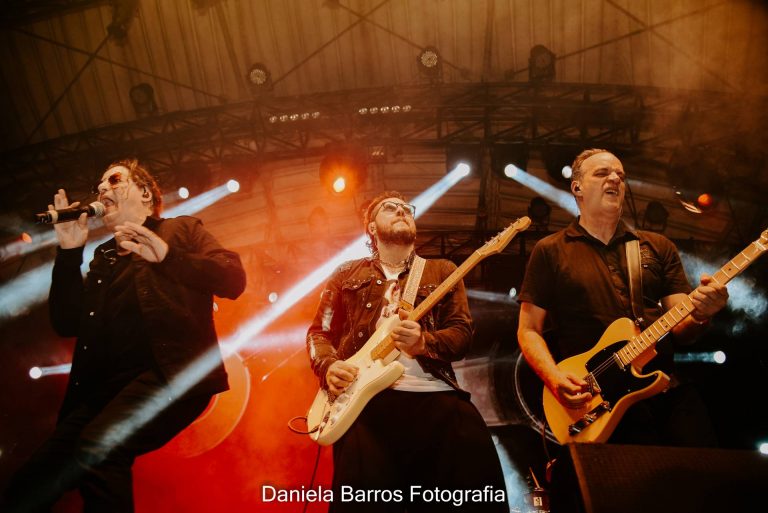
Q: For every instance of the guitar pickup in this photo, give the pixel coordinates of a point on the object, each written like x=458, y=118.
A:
x=589, y=417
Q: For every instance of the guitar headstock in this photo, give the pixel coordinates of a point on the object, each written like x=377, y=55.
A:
x=501, y=239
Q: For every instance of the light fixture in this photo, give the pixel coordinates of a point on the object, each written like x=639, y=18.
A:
x=509, y=159
x=538, y=211
x=430, y=63
x=695, y=174
x=541, y=64
x=343, y=169
x=143, y=99
x=259, y=78
x=558, y=159
x=468, y=153
x=655, y=217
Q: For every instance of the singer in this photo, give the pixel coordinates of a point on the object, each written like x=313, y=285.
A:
x=141, y=316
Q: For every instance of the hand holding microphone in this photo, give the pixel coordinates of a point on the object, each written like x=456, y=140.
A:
x=71, y=233
x=72, y=213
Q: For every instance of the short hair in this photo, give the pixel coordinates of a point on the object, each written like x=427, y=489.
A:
x=369, y=215
x=143, y=178
x=576, y=171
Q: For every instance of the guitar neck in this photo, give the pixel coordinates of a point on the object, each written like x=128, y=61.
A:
x=664, y=324
x=386, y=346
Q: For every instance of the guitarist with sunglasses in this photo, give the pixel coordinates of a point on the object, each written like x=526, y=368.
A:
x=576, y=284
x=421, y=436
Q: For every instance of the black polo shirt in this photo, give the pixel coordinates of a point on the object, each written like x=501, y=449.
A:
x=583, y=285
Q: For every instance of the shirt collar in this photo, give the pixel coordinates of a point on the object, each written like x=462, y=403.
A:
x=623, y=232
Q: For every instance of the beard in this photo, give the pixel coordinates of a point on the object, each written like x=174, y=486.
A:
x=397, y=235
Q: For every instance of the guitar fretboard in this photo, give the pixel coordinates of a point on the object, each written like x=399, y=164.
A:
x=495, y=245
x=664, y=324
x=386, y=346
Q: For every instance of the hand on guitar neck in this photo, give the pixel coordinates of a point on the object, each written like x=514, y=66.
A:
x=708, y=298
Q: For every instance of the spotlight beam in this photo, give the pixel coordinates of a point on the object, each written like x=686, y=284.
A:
x=198, y=369
x=564, y=200
x=25, y=291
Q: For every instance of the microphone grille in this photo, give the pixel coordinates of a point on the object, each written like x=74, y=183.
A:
x=98, y=208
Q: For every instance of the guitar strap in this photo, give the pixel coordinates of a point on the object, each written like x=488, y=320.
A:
x=408, y=298
x=634, y=268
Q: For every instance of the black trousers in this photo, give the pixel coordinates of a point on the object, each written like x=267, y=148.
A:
x=416, y=452
x=93, y=449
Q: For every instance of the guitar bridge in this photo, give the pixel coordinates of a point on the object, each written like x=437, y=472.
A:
x=589, y=418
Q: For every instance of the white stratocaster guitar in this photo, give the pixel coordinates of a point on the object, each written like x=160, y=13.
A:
x=329, y=417
x=613, y=366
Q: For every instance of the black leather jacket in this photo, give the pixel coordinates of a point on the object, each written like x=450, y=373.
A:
x=175, y=297
x=350, y=305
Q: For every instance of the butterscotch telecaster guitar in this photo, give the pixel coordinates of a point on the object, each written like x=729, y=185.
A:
x=329, y=417
x=613, y=366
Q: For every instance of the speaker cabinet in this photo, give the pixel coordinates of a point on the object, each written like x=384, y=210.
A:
x=608, y=478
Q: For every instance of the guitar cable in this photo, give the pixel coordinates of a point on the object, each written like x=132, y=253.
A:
x=300, y=431
x=314, y=474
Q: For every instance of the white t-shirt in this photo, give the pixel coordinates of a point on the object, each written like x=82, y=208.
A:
x=414, y=379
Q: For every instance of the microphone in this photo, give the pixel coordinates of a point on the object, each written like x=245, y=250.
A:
x=95, y=209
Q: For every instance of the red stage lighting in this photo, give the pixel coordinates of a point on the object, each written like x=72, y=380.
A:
x=705, y=201
x=343, y=170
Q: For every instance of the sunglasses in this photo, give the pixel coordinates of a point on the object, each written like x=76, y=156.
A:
x=114, y=180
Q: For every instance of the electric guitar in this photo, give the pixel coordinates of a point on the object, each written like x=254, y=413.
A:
x=329, y=417
x=612, y=368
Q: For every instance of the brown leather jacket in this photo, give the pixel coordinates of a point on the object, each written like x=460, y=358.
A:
x=352, y=300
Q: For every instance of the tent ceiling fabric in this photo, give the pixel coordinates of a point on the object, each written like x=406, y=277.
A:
x=60, y=76
x=67, y=67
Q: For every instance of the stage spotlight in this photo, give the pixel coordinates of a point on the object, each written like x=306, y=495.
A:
x=695, y=173
x=193, y=177
x=541, y=64
x=430, y=63
x=763, y=448
x=719, y=357
x=259, y=78
x=509, y=159
x=698, y=205
x=343, y=169
x=272, y=297
x=511, y=170
x=558, y=157
x=469, y=154
x=35, y=373
x=339, y=184
x=143, y=100
x=513, y=292
x=538, y=211
x=705, y=201
x=233, y=185
x=655, y=217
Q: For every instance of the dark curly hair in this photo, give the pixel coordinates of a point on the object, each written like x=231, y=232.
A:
x=142, y=177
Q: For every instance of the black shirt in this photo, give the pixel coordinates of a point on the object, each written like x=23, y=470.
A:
x=583, y=285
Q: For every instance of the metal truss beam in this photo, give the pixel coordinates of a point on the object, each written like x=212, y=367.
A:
x=625, y=118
